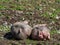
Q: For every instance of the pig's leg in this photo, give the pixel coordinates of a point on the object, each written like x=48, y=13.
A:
x=48, y=35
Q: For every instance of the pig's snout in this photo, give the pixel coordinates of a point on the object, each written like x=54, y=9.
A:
x=40, y=35
x=44, y=35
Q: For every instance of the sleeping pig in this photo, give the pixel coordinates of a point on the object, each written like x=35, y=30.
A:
x=40, y=32
x=21, y=30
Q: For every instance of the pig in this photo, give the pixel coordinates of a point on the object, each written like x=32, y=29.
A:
x=40, y=32
x=21, y=30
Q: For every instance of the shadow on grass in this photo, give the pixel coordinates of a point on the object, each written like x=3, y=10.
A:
x=8, y=36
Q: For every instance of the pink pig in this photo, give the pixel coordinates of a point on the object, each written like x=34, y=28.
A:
x=40, y=31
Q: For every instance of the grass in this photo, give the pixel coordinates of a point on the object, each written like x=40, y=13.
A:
x=48, y=9
x=51, y=11
x=4, y=28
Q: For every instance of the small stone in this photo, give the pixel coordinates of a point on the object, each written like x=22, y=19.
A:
x=23, y=19
x=5, y=23
x=57, y=17
x=19, y=12
x=58, y=31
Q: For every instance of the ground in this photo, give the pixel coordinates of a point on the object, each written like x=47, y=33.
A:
x=37, y=12
x=55, y=40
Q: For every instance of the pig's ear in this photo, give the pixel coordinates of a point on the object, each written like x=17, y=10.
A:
x=26, y=21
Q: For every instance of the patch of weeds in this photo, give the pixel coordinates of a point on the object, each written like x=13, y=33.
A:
x=29, y=13
x=20, y=7
x=2, y=7
x=53, y=15
x=38, y=7
x=53, y=32
x=4, y=28
x=58, y=1
x=57, y=10
x=29, y=7
x=29, y=42
x=0, y=14
x=46, y=14
x=5, y=0
x=8, y=17
x=12, y=6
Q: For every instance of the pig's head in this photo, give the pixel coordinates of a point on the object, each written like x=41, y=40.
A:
x=44, y=35
x=42, y=31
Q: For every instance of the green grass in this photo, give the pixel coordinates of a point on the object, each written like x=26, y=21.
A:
x=53, y=32
x=32, y=5
x=27, y=41
x=49, y=10
x=4, y=28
